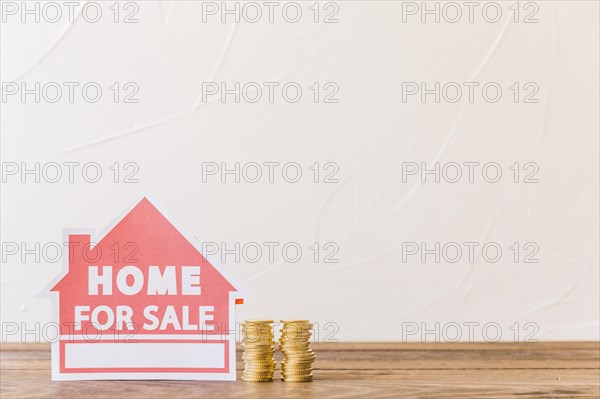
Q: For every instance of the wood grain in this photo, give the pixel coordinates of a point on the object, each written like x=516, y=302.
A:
x=345, y=370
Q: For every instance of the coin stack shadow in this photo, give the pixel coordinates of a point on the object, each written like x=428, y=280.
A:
x=259, y=347
x=297, y=355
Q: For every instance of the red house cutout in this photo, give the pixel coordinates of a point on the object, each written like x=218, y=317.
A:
x=142, y=302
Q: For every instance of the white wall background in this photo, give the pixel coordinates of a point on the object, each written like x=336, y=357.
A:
x=371, y=293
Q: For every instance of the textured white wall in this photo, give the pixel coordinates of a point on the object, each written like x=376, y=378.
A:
x=370, y=134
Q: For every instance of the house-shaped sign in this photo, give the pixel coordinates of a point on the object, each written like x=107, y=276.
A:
x=140, y=301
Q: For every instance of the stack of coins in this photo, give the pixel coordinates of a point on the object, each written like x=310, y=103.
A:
x=258, y=343
x=297, y=355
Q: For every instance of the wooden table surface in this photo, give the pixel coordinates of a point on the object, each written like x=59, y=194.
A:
x=344, y=370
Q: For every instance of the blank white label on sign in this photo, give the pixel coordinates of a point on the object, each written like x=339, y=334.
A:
x=145, y=355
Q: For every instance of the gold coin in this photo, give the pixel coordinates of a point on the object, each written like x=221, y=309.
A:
x=257, y=378
x=267, y=363
x=291, y=329
x=258, y=348
x=262, y=374
x=260, y=362
x=267, y=357
x=294, y=345
x=294, y=338
x=295, y=348
x=267, y=360
x=258, y=356
x=253, y=351
x=299, y=373
x=257, y=337
x=264, y=352
x=296, y=366
x=264, y=358
x=259, y=341
x=258, y=328
x=251, y=379
x=297, y=377
x=299, y=355
x=296, y=371
x=259, y=369
x=259, y=365
x=295, y=352
x=296, y=326
x=304, y=379
x=300, y=344
x=291, y=338
x=298, y=334
x=258, y=373
x=297, y=362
